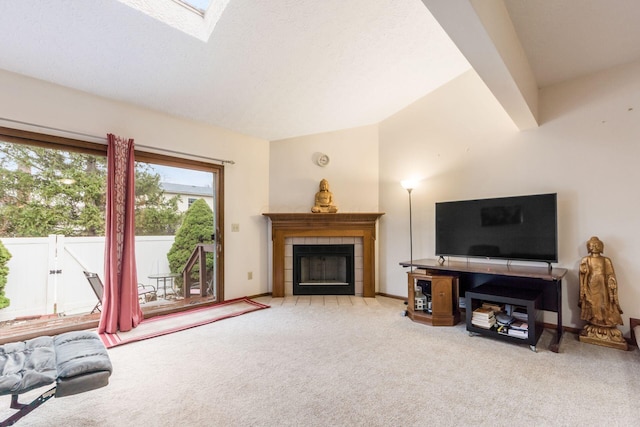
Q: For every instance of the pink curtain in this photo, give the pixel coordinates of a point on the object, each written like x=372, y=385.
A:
x=120, y=306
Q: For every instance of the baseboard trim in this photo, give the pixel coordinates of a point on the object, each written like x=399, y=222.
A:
x=266, y=294
x=564, y=328
x=382, y=294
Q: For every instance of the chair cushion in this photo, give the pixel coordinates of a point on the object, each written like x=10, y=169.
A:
x=80, y=352
x=27, y=365
x=82, y=362
x=77, y=361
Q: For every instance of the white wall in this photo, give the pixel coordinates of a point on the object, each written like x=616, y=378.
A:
x=246, y=183
x=352, y=172
x=463, y=145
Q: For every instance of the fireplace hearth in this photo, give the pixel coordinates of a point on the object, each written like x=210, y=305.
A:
x=323, y=270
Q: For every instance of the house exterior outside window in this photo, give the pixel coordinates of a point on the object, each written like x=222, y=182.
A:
x=188, y=194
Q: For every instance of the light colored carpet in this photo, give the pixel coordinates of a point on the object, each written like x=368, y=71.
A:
x=350, y=362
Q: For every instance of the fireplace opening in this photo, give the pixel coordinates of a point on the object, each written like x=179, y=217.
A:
x=323, y=270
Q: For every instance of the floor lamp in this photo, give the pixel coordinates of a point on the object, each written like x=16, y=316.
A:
x=409, y=186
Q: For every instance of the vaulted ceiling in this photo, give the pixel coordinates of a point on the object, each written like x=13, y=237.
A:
x=283, y=68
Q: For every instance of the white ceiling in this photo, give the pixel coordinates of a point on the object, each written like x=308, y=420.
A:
x=571, y=38
x=283, y=68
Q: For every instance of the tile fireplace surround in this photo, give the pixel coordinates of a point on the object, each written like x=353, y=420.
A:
x=288, y=226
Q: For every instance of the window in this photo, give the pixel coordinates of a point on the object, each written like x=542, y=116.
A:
x=52, y=214
x=198, y=6
x=49, y=191
x=196, y=18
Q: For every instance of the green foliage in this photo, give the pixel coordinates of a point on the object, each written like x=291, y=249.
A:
x=155, y=216
x=34, y=201
x=197, y=227
x=5, y=256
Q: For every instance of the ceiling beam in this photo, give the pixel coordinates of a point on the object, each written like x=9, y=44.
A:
x=485, y=35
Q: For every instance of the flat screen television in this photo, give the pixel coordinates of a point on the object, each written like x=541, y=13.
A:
x=513, y=228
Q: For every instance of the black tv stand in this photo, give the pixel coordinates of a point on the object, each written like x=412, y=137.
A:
x=546, y=281
x=528, y=298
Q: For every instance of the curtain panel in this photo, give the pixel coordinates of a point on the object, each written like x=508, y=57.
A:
x=120, y=306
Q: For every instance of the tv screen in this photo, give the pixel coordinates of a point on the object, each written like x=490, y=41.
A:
x=513, y=228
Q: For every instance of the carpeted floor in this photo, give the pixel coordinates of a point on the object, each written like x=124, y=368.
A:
x=350, y=362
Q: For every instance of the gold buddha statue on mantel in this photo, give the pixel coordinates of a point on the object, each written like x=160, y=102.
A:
x=324, y=199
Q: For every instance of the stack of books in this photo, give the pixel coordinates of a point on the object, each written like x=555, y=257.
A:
x=519, y=329
x=483, y=317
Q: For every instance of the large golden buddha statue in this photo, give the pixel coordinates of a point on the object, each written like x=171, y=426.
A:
x=324, y=199
x=599, y=304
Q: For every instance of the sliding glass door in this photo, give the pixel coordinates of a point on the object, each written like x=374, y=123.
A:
x=52, y=223
x=189, y=223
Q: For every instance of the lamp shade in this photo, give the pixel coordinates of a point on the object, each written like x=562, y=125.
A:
x=409, y=184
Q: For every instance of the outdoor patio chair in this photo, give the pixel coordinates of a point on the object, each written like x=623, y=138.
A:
x=146, y=293
x=98, y=288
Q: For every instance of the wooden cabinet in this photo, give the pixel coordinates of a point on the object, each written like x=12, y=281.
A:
x=441, y=291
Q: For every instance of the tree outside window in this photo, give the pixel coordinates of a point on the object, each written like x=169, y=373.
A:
x=47, y=191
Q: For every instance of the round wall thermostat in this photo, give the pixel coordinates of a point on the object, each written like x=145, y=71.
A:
x=323, y=160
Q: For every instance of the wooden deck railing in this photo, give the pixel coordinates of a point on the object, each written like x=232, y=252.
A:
x=198, y=257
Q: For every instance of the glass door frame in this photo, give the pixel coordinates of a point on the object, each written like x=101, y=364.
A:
x=69, y=144
x=218, y=203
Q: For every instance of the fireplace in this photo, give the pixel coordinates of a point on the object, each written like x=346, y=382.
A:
x=359, y=228
x=323, y=270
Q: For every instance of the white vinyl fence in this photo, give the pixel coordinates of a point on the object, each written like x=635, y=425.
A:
x=46, y=274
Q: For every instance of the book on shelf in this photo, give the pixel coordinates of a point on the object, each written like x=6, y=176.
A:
x=486, y=322
x=493, y=306
x=508, y=330
x=483, y=325
x=483, y=317
x=483, y=312
x=491, y=319
x=519, y=325
x=519, y=313
x=519, y=333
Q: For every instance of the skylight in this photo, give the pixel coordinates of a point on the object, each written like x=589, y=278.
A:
x=196, y=18
x=198, y=6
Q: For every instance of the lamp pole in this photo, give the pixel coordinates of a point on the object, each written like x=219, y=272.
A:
x=410, y=231
x=409, y=186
